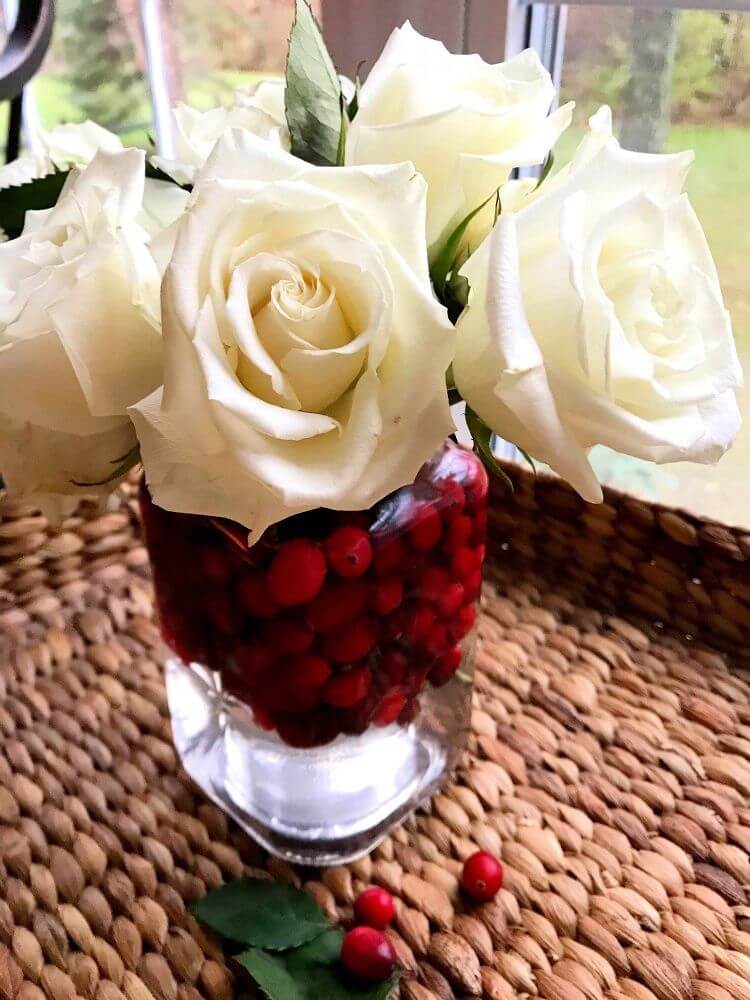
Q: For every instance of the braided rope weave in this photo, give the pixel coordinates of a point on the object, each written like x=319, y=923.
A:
x=609, y=767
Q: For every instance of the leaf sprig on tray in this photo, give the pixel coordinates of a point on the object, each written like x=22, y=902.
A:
x=282, y=938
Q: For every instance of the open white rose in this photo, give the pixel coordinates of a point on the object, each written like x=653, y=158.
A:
x=596, y=317
x=61, y=147
x=305, y=354
x=79, y=330
x=259, y=109
x=465, y=124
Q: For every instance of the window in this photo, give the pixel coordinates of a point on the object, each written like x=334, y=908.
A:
x=124, y=63
x=675, y=78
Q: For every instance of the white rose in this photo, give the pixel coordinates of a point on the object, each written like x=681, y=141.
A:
x=305, y=355
x=61, y=147
x=259, y=109
x=465, y=124
x=596, y=317
x=79, y=330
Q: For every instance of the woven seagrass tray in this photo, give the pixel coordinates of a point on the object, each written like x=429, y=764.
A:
x=609, y=767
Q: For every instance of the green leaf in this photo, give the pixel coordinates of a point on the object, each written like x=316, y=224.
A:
x=546, y=169
x=343, y=129
x=456, y=295
x=15, y=202
x=311, y=972
x=262, y=913
x=124, y=464
x=445, y=260
x=353, y=106
x=313, y=92
x=482, y=436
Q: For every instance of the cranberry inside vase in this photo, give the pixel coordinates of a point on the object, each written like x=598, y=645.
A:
x=320, y=681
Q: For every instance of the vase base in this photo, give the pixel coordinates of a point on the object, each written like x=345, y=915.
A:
x=321, y=806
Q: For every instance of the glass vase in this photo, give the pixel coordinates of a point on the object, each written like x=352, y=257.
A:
x=319, y=681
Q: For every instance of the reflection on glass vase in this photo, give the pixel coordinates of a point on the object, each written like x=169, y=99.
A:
x=320, y=680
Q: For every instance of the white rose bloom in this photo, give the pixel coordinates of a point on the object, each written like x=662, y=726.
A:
x=465, y=124
x=61, y=147
x=259, y=109
x=305, y=355
x=79, y=330
x=596, y=317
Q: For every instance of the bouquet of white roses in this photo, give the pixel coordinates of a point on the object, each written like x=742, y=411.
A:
x=279, y=318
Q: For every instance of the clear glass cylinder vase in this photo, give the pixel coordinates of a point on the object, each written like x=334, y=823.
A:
x=319, y=681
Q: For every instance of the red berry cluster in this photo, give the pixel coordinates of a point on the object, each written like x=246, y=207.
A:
x=366, y=952
x=332, y=622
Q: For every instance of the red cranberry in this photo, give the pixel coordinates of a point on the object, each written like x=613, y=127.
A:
x=287, y=636
x=297, y=573
x=389, y=708
x=452, y=498
x=368, y=954
x=389, y=554
x=386, y=595
x=417, y=678
x=451, y=600
x=394, y=665
x=352, y=641
x=214, y=563
x=437, y=640
x=347, y=689
x=349, y=551
x=458, y=533
x=410, y=711
x=482, y=876
x=464, y=622
x=480, y=525
x=339, y=602
x=263, y=719
x=222, y=614
x=375, y=907
x=283, y=697
x=298, y=733
x=446, y=666
x=419, y=622
x=433, y=583
x=413, y=568
x=474, y=585
x=251, y=658
x=254, y=595
x=304, y=672
x=463, y=562
x=393, y=627
x=425, y=529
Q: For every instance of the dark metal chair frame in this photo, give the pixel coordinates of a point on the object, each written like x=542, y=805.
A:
x=22, y=56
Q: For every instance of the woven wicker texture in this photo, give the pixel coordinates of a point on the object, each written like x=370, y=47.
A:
x=609, y=767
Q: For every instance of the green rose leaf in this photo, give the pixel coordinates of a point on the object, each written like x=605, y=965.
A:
x=482, y=436
x=16, y=201
x=313, y=92
x=445, y=259
x=262, y=913
x=311, y=972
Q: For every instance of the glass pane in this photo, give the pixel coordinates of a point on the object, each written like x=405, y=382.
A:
x=678, y=80
x=224, y=44
x=95, y=68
